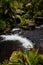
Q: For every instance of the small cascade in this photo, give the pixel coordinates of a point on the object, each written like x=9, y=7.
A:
x=15, y=29
x=25, y=42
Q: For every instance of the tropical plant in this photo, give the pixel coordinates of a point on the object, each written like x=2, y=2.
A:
x=26, y=58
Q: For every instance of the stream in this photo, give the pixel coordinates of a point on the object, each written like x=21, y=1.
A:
x=19, y=38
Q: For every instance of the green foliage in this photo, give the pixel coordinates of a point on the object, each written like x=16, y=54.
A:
x=0, y=64
x=33, y=56
x=39, y=14
x=35, y=1
x=26, y=58
x=25, y=9
x=41, y=56
x=5, y=62
x=2, y=25
x=0, y=3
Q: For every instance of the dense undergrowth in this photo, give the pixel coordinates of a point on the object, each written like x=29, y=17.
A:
x=19, y=13
x=24, y=58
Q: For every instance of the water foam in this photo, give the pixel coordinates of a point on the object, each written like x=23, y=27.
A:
x=15, y=29
x=25, y=42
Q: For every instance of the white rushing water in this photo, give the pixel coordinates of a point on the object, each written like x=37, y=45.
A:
x=25, y=42
x=15, y=29
x=41, y=26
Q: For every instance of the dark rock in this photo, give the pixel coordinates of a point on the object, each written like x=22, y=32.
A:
x=38, y=20
x=7, y=47
x=40, y=47
x=31, y=26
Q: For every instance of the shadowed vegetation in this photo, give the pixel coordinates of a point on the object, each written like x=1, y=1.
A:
x=26, y=58
x=19, y=12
